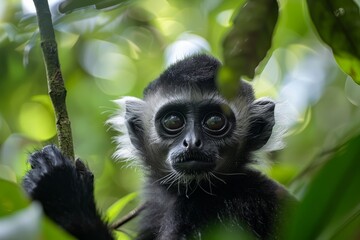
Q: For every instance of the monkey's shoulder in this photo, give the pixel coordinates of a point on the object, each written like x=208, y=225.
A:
x=254, y=204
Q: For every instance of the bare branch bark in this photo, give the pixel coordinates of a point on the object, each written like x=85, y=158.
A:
x=131, y=215
x=57, y=90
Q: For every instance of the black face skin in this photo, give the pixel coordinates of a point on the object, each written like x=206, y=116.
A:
x=196, y=132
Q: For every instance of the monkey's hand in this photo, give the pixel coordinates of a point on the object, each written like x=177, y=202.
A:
x=65, y=191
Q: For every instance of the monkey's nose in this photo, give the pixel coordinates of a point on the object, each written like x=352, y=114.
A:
x=192, y=143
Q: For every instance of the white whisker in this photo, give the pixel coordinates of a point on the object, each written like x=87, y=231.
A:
x=174, y=179
x=210, y=183
x=206, y=191
x=214, y=176
x=171, y=177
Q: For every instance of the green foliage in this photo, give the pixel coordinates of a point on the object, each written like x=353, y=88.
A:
x=332, y=199
x=227, y=85
x=114, y=210
x=122, y=236
x=114, y=52
x=67, y=6
x=11, y=198
x=21, y=220
x=50, y=231
x=248, y=42
x=337, y=23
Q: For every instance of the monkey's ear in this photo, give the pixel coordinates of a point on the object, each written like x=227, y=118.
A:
x=134, y=110
x=262, y=121
x=128, y=121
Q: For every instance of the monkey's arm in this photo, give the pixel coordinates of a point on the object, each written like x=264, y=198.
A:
x=66, y=193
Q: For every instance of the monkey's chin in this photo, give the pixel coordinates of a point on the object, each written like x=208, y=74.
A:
x=191, y=167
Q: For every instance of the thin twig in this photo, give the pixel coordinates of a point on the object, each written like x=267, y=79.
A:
x=132, y=214
x=55, y=81
x=318, y=161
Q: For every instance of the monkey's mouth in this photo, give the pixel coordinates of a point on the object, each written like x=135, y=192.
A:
x=193, y=166
x=193, y=162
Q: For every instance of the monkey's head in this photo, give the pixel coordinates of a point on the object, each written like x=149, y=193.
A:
x=184, y=129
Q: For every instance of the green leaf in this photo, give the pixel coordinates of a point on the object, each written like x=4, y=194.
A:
x=338, y=25
x=12, y=198
x=23, y=224
x=30, y=224
x=50, y=231
x=226, y=84
x=331, y=197
x=114, y=210
x=67, y=6
x=350, y=65
x=249, y=40
x=122, y=236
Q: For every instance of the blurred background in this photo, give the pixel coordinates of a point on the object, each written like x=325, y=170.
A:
x=117, y=51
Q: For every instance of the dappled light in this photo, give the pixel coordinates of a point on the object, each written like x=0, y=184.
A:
x=115, y=73
x=307, y=74
x=108, y=53
x=36, y=121
x=186, y=45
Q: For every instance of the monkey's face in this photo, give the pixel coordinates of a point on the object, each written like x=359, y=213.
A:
x=183, y=129
x=192, y=134
x=197, y=135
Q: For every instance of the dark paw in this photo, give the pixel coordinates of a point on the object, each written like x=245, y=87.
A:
x=65, y=190
x=55, y=181
x=43, y=164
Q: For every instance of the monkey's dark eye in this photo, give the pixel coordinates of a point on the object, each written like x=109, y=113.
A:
x=173, y=122
x=215, y=122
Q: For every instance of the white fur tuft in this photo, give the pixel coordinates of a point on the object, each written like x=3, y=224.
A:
x=125, y=150
x=276, y=140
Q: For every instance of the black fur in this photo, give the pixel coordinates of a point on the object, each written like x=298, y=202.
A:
x=66, y=193
x=249, y=200
x=262, y=121
x=179, y=210
x=198, y=68
x=194, y=71
x=174, y=210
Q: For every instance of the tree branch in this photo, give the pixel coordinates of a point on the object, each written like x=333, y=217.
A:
x=55, y=81
x=132, y=214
